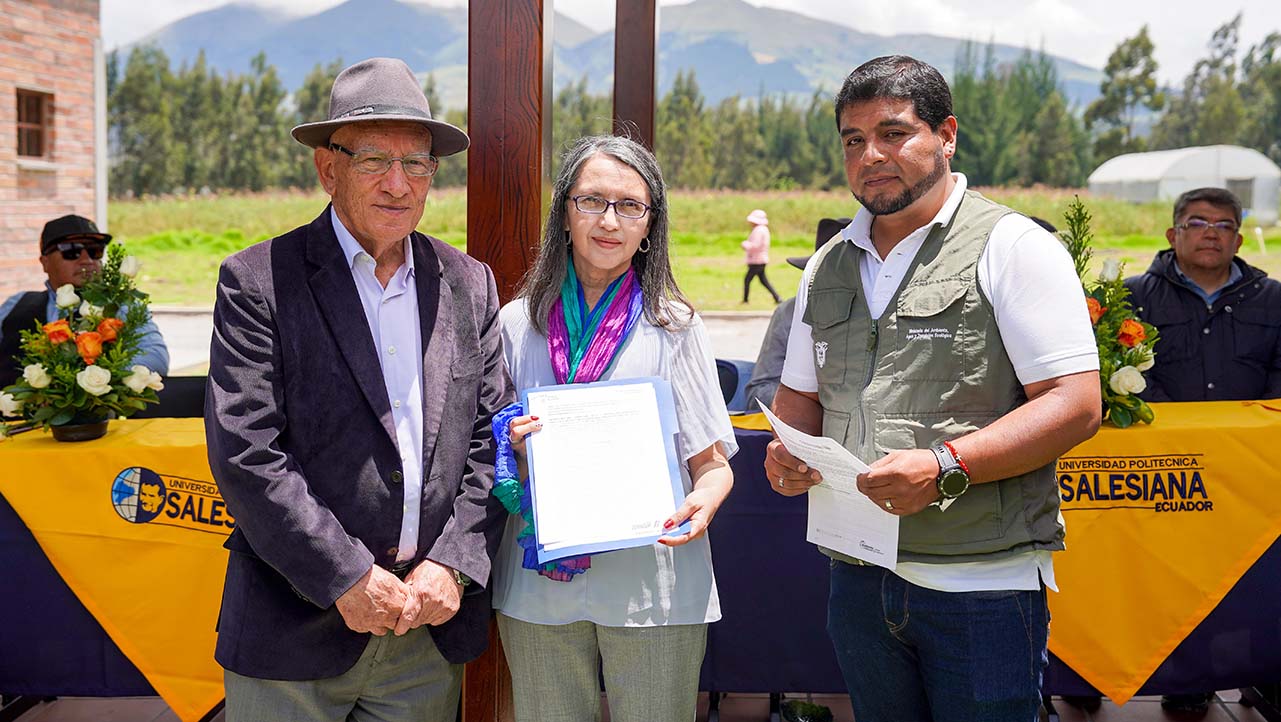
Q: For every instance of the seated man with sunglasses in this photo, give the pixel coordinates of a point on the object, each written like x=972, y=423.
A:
x=71, y=249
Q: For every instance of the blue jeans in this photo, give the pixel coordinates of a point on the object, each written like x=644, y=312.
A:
x=910, y=654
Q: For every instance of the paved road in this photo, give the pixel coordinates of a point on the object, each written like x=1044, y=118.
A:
x=187, y=333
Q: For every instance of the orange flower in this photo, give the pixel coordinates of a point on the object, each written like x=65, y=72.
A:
x=1096, y=309
x=58, y=331
x=89, y=344
x=107, y=329
x=1131, y=333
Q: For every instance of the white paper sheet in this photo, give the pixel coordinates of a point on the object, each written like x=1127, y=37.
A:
x=841, y=517
x=600, y=465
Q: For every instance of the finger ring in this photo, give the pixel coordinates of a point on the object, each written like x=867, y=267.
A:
x=781, y=482
x=889, y=505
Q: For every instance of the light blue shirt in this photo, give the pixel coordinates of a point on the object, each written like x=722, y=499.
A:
x=392, y=315
x=1233, y=276
x=152, y=352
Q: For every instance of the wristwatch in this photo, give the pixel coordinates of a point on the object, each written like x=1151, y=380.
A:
x=954, y=475
x=462, y=580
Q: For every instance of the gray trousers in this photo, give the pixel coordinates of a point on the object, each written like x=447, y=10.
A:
x=651, y=673
x=396, y=679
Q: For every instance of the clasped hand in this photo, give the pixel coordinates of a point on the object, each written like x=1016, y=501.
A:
x=379, y=602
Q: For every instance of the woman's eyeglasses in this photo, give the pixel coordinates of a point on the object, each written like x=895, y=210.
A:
x=71, y=251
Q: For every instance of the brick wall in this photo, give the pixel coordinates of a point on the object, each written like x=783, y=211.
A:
x=45, y=46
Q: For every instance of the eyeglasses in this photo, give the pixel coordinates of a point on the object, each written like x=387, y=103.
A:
x=71, y=251
x=1197, y=225
x=625, y=208
x=371, y=163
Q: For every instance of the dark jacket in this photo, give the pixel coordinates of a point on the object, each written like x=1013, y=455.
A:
x=1231, y=350
x=302, y=446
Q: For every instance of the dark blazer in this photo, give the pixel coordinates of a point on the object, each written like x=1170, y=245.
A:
x=1231, y=350
x=302, y=445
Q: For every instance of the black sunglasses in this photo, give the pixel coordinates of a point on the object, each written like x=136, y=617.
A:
x=71, y=251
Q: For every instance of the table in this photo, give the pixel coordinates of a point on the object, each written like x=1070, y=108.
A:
x=773, y=588
x=773, y=591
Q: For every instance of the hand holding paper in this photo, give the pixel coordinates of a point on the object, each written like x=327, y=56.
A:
x=841, y=517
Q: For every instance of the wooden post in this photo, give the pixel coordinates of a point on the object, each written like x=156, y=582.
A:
x=505, y=108
x=508, y=99
x=635, y=59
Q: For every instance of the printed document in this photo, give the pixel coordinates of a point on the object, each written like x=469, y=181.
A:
x=841, y=517
x=603, y=467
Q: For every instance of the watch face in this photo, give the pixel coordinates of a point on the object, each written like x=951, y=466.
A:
x=953, y=483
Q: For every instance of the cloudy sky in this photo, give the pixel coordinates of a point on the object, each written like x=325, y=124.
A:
x=1084, y=30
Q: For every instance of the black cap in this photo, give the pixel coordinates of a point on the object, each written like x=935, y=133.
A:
x=70, y=226
x=827, y=229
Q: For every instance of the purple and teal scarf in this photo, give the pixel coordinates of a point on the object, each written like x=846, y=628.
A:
x=583, y=343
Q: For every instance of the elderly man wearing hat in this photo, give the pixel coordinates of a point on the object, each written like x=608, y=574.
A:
x=354, y=369
x=71, y=249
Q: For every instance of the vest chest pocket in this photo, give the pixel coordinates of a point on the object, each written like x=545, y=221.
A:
x=828, y=314
x=933, y=341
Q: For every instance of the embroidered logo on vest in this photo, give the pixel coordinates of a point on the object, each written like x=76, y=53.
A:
x=820, y=353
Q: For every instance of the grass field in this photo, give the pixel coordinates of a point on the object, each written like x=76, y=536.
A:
x=181, y=241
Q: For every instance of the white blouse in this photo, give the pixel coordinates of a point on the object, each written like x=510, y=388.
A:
x=644, y=586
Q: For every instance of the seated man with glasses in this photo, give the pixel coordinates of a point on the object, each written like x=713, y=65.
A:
x=1218, y=316
x=71, y=249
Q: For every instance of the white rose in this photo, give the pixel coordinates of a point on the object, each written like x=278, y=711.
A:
x=66, y=296
x=94, y=379
x=129, y=266
x=9, y=406
x=1148, y=362
x=1127, y=380
x=36, y=376
x=88, y=310
x=143, y=378
x=1111, y=271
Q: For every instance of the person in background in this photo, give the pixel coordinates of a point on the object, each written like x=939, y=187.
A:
x=1219, y=320
x=756, y=250
x=769, y=362
x=71, y=249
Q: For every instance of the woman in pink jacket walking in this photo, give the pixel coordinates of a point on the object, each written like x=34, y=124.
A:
x=756, y=248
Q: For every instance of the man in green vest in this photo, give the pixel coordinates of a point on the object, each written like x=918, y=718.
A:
x=945, y=340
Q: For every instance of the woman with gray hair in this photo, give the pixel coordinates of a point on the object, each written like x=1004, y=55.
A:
x=601, y=303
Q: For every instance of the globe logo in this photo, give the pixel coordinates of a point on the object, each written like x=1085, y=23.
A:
x=138, y=495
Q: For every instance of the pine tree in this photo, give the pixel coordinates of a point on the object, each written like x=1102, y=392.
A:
x=1129, y=84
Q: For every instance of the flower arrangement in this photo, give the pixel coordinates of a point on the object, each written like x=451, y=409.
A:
x=78, y=369
x=1125, y=342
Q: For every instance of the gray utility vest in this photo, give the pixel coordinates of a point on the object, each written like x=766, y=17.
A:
x=931, y=369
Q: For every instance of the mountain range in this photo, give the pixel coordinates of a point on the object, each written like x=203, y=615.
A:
x=733, y=47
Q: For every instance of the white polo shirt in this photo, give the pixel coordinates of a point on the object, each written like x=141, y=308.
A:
x=1041, y=314
x=392, y=315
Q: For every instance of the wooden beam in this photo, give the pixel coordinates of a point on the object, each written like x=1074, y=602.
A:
x=505, y=107
x=635, y=60
x=508, y=106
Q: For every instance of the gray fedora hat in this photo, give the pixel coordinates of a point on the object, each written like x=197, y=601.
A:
x=381, y=89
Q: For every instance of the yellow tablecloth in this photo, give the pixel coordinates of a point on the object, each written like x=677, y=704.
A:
x=134, y=524
x=1161, y=520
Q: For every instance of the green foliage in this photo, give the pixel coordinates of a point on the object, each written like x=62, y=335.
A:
x=1124, y=342
x=1015, y=126
x=1129, y=84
